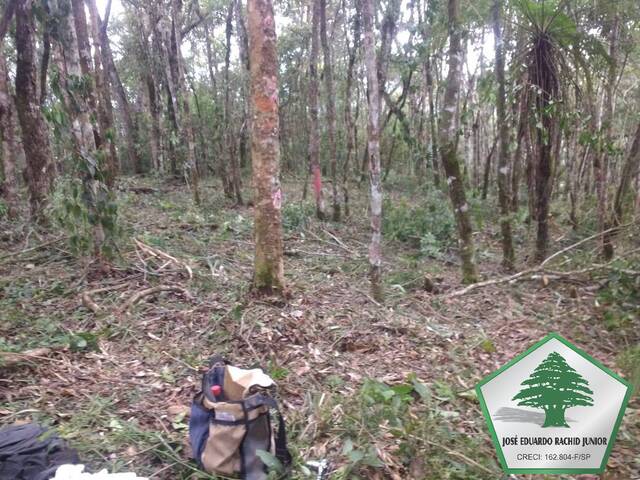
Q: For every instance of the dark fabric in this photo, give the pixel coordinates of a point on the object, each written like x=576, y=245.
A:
x=282, y=452
x=198, y=429
x=30, y=452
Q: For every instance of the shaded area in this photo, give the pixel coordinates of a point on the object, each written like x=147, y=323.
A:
x=519, y=415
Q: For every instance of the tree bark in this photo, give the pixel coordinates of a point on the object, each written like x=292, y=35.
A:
x=229, y=135
x=630, y=171
x=9, y=186
x=432, y=123
x=265, y=148
x=113, y=78
x=39, y=173
x=508, y=255
x=373, y=150
x=601, y=168
x=189, y=165
x=314, y=128
x=448, y=146
x=348, y=116
x=331, y=110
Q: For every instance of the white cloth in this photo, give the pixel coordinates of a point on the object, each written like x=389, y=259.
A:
x=76, y=472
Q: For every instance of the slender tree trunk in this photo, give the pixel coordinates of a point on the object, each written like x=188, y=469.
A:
x=331, y=110
x=243, y=47
x=373, y=150
x=630, y=170
x=314, y=128
x=448, y=142
x=348, y=117
x=508, y=255
x=543, y=77
x=432, y=123
x=37, y=151
x=228, y=121
x=82, y=106
x=9, y=186
x=189, y=165
x=607, y=126
x=265, y=148
x=130, y=126
x=105, y=106
x=517, y=157
x=487, y=168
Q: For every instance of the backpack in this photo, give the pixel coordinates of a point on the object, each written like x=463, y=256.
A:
x=230, y=422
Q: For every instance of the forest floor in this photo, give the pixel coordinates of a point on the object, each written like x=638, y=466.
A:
x=116, y=378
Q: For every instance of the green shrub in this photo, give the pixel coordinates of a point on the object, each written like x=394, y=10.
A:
x=296, y=215
x=428, y=225
x=68, y=209
x=621, y=301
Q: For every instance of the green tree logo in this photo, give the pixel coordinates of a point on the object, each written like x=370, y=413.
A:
x=553, y=387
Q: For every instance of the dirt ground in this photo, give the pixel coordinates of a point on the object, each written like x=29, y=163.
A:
x=116, y=376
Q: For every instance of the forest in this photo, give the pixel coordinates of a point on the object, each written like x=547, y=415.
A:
x=379, y=202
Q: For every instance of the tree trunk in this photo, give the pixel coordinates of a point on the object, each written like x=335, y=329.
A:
x=348, y=117
x=517, y=157
x=314, y=128
x=630, y=170
x=130, y=126
x=39, y=173
x=373, y=150
x=265, y=148
x=543, y=76
x=9, y=186
x=91, y=152
x=331, y=111
x=487, y=168
x=105, y=106
x=448, y=142
x=508, y=255
x=189, y=165
x=607, y=127
x=229, y=135
x=211, y=61
x=432, y=123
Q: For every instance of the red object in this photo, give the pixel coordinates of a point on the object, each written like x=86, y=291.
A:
x=216, y=390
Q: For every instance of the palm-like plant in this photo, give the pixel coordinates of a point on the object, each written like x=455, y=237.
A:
x=553, y=40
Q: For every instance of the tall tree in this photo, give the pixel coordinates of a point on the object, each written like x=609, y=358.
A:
x=449, y=145
x=542, y=71
x=314, y=127
x=229, y=136
x=9, y=186
x=39, y=172
x=508, y=256
x=331, y=110
x=265, y=148
x=373, y=149
x=189, y=164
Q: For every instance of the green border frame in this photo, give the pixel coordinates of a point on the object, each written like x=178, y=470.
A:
x=586, y=356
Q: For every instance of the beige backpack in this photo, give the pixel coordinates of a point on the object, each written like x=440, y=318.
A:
x=230, y=425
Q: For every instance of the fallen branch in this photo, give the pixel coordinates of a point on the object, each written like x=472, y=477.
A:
x=136, y=297
x=539, y=269
x=9, y=359
x=87, y=297
x=37, y=247
x=157, y=253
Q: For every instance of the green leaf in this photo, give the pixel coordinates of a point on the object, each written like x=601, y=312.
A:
x=270, y=461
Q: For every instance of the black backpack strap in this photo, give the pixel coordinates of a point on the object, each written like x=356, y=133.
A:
x=282, y=452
